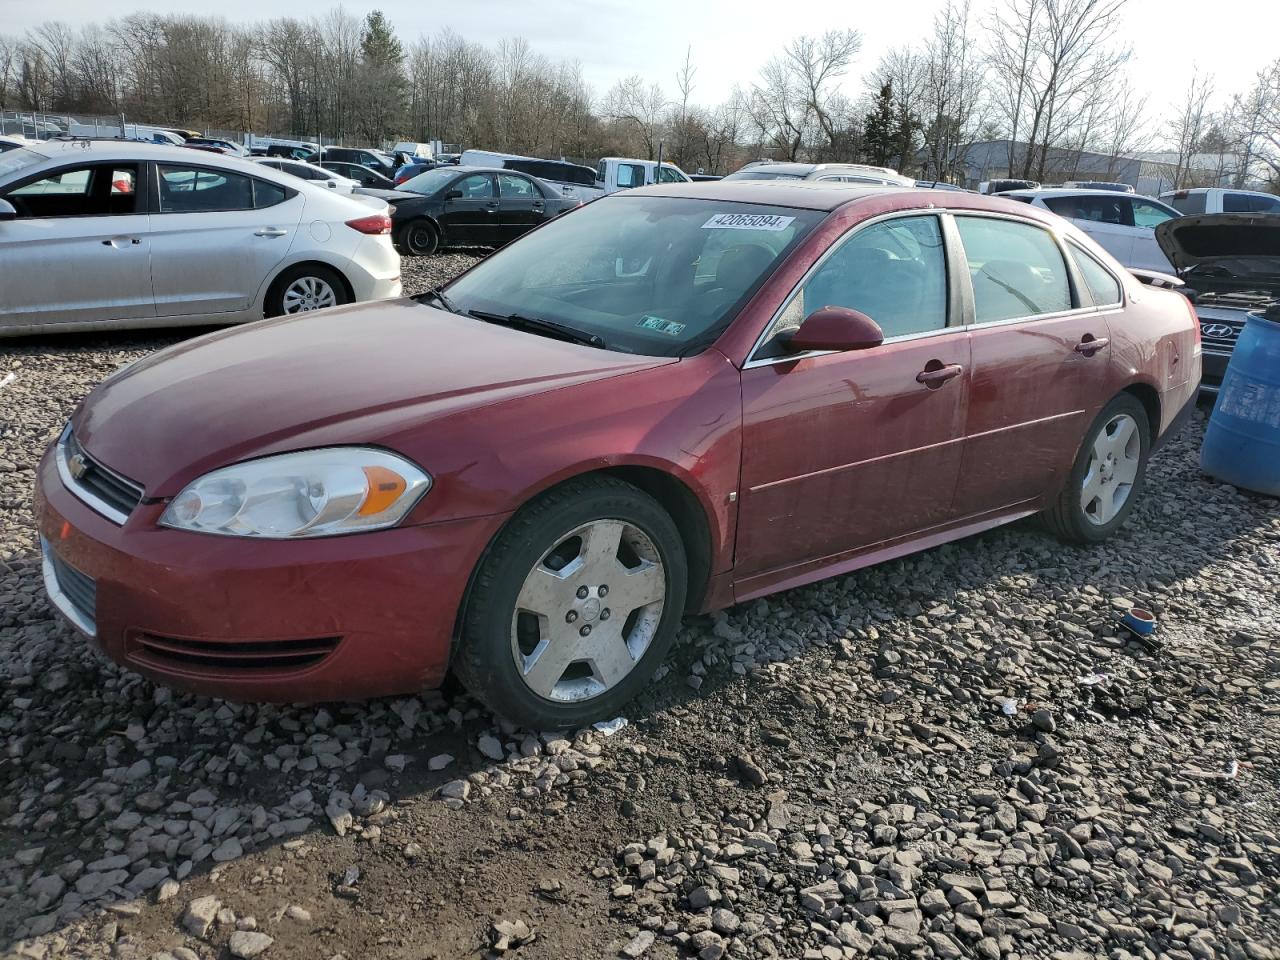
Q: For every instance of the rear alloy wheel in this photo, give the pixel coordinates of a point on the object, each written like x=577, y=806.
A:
x=419, y=238
x=303, y=289
x=575, y=605
x=1107, y=475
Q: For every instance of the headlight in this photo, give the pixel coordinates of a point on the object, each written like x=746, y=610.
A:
x=313, y=493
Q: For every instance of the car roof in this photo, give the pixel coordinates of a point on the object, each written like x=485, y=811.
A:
x=1073, y=192
x=803, y=194
x=71, y=149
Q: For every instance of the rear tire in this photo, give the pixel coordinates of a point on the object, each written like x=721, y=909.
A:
x=574, y=606
x=300, y=289
x=419, y=238
x=1107, y=476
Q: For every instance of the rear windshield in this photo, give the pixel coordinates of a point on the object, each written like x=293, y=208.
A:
x=17, y=159
x=659, y=276
x=429, y=181
x=1187, y=204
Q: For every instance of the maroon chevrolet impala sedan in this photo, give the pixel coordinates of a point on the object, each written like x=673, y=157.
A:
x=670, y=400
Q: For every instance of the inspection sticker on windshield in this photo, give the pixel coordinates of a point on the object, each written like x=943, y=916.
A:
x=659, y=325
x=747, y=221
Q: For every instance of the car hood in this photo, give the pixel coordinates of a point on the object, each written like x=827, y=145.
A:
x=350, y=375
x=1220, y=238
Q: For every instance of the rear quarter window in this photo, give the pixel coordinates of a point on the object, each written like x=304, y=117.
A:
x=1103, y=287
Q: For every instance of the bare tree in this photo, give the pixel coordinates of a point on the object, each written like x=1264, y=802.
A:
x=641, y=107
x=1047, y=59
x=1190, y=124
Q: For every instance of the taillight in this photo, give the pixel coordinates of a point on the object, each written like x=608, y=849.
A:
x=373, y=224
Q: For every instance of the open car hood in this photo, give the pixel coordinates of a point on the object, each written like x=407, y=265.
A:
x=1251, y=240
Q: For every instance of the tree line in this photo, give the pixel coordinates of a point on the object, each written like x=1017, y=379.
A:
x=1048, y=76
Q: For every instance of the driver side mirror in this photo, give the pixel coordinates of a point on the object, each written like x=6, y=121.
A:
x=453, y=195
x=7, y=212
x=836, y=328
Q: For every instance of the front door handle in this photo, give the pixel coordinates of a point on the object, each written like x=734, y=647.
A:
x=118, y=242
x=270, y=232
x=934, y=377
x=1091, y=345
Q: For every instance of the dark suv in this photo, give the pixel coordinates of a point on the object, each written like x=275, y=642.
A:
x=373, y=159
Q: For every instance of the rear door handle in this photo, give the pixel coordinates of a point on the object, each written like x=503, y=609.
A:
x=118, y=242
x=1091, y=345
x=939, y=375
x=270, y=232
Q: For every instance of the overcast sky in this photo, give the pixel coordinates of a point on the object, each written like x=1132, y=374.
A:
x=730, y=40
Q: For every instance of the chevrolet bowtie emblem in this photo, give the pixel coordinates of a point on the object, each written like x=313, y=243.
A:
x=77, y=464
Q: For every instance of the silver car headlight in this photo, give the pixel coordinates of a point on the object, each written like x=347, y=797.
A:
x=312, y=493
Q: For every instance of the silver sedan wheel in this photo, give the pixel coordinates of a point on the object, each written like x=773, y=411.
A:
x=308, y=293
x=588, y=611
x=1113, y=468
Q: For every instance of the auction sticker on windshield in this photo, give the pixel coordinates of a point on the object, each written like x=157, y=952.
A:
x=747, y=221
x=660, y=325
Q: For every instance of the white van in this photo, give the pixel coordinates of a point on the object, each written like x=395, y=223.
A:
x=572, y=179
x=622, y=173
x=423, y=151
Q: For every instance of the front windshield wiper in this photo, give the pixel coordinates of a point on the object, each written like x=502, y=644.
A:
x=538, y=325
x=437, y=293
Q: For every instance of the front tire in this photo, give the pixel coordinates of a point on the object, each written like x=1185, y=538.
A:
x=574, y=606
x=419, y=238
x=1107, y=475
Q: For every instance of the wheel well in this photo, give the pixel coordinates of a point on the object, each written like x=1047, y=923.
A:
x=1150, y=400
x=275, y=283
x=675, y=497
x=683, y=505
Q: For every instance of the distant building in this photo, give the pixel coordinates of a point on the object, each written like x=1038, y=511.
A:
x=1148, y=172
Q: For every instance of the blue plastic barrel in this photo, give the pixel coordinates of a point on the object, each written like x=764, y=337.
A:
x=1242, y=441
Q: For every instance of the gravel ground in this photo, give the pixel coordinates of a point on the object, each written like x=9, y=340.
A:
x=955, y=754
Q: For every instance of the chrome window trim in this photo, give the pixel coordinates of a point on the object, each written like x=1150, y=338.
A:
x=1071, y=246
x=942, y=212
x=79, y=492
x=59, y=599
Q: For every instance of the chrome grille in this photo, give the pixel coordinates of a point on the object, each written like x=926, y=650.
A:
x=1220, y=332
x=97, y=485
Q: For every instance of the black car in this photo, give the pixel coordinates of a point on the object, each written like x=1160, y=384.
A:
x=1230, y=263
x=286, y=152
x=373, y=159
x=465, y=206
x=364, y=176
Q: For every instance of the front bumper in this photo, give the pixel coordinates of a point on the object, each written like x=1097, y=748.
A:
x=337, y=618
x=1214, y=366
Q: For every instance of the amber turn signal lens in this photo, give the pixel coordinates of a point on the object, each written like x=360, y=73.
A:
x=385, y=486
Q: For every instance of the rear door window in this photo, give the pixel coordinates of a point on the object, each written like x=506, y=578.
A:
x=1103, y=287
x=1187, y=204
x=198, y=190
x=513, y=187
x=1016, y=268
x=1114, y=210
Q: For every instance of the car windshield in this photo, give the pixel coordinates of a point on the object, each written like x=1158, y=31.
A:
x=659, y=276
x=429, y=181
x=17, y=159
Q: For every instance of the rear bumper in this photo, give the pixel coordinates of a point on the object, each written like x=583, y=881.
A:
x=340, y=618
x=1178, y=423
x=375, y=270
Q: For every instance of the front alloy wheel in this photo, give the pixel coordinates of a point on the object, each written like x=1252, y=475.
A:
x=588, y=611
x=574, y=605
